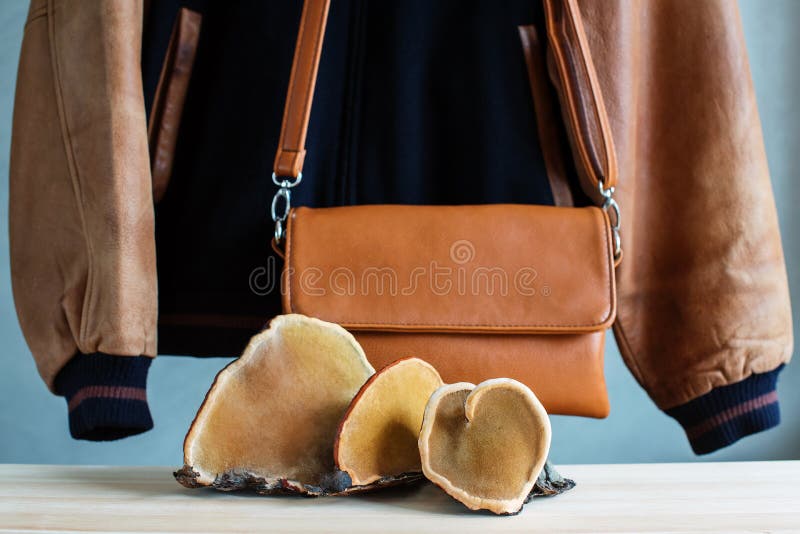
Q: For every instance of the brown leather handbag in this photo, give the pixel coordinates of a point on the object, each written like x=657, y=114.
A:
x=485, y=291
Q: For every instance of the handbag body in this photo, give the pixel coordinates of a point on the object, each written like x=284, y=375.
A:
x=482, y=291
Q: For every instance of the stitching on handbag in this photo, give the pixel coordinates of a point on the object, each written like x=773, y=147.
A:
x=567, y=88
x=551, y=147
x=293, y=82
x=306, y=105
x=609, y=285
x=603, y=121
x=300, y=42
x=307, y=102
x=606, y=156
x=585, y=68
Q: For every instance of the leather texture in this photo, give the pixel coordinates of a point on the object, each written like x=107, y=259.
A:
x=703, y=293
x=547, y=119
x=165, y=116
x=549, y=364
x=489, y=268
x=538, y=269
x=531, y=302
x=291, y=147
x=703, y=300
x=81, y=224
x=582, y=102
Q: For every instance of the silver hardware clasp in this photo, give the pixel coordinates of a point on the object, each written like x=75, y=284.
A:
x=611, y=208
x=284, y=192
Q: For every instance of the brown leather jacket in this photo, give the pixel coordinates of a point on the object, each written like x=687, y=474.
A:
x=703, y=301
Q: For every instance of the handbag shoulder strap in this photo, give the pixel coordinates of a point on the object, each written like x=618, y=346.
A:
x=302, y=80
x=292, y=144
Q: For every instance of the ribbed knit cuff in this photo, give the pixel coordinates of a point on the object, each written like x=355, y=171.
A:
x=105, y=396
x=726, y=414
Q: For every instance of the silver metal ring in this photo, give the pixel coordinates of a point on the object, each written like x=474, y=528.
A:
x=610, y=206
x=287, y=196
x=279, y=231
x=286, y=183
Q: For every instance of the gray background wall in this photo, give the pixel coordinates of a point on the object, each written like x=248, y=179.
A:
x=33, y=424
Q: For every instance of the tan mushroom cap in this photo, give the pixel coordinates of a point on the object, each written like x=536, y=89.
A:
x=378, y=435
x=485, y=445
x=274, y=412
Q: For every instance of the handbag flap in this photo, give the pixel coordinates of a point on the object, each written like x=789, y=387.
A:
x=482, y=269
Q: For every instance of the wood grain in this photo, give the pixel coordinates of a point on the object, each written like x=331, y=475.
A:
x=726, y=497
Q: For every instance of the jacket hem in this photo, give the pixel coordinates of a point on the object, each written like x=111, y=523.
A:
x=729, y=413
x=106, y=396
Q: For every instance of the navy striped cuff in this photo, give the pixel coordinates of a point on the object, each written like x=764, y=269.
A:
x=726, y=414
x=106, y=396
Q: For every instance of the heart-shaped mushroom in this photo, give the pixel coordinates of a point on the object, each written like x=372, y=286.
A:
x=377, y=439
x=270, y=418
x=485, y=445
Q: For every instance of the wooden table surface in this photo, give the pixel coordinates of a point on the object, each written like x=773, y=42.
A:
x=726, y=497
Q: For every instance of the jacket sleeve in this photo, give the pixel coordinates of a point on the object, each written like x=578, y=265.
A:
x=81, y=212
x=704, y=320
